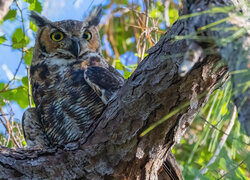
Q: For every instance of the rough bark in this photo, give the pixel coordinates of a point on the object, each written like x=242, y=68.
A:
x=113, y=147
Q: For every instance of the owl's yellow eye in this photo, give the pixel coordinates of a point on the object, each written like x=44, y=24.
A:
x=57, y=36
x=87, y=35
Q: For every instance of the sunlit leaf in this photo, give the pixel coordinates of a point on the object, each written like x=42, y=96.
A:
x=2, y=103
x=173, y=15
x=155, y=13
x=18, y=35
x=222, y=164
x=33, y=26
x=127, y=74
x=19, y=39
x=28, y=56
x=124, y=2
x=11, y=15
x=2, y=39
x=29, y=1
x=119, y=65
x=19, y=95
x=140, y=56
x=25, y=81
x=35, y=6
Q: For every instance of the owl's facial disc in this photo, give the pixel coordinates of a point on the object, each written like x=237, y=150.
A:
x=68, y=39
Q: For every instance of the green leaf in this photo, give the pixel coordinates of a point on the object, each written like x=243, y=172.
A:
x=33, y=26
x=173, y=15
x=127, y=74
x=145, y=54
x=24, y=143
x=2, y=39
x=36, y=6
x=222, y=164
x=119, y=65
x=2, y=103
x=19, y=39
x=19, y=95
x=18, y=35
x=28, y=56
x=124, y=2
x=11, y=15
x=29, y=1
x=2, y=85
x=25, y=81
x=155, y=13
x=224, y=109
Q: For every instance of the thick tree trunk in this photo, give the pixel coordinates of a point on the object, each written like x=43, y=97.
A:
x=113, y=146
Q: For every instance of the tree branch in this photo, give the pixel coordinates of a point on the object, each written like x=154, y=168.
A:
x=113, y=146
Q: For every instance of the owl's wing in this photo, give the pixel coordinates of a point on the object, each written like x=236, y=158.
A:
x=32, y=129
x=105, y=82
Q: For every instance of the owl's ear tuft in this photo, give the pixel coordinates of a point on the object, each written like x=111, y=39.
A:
x=39, y=20
x=93, y=19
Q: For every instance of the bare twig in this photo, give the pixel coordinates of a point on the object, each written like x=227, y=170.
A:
x=29, y=85
x=7, y=90
x=23, y=28
x=18, y=133
x=4, y=114
x=154, y=28
x=112, y=40
x=144, y=33
x=166, y=12
x=7, y=45
x=11, y=46
x=14, y=77
x=7, y=124
x=27, y=67
x=8, y=128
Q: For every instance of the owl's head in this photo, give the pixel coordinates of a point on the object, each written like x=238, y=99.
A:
x=68, y=39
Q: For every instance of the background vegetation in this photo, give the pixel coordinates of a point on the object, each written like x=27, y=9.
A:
x=215, y=147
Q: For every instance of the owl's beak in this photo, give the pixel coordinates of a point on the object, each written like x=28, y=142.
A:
x=75, y=47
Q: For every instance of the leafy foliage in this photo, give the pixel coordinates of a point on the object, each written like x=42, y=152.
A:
x=204, y=137
x=2, y=39
x=11, y=15
x=128, y=30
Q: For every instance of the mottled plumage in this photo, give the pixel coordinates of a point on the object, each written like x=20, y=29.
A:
x=71, y=80
x=34, y=134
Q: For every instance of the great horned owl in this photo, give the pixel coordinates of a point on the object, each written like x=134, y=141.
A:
x=71, y=80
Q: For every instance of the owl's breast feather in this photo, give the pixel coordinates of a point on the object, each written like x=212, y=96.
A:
x=66, y=103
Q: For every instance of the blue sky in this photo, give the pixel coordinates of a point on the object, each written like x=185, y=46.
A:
x=54, y=10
